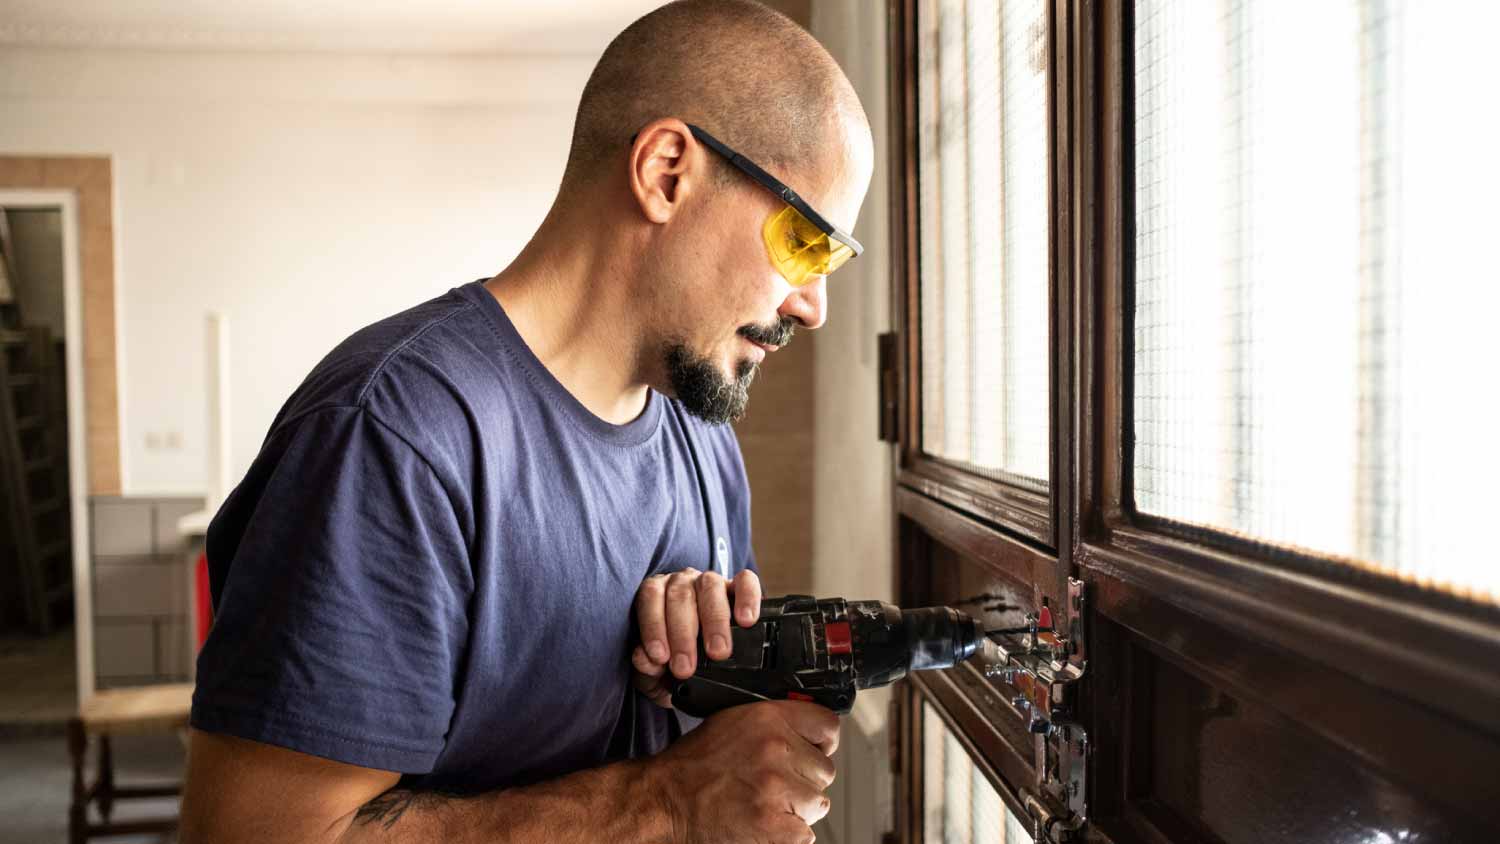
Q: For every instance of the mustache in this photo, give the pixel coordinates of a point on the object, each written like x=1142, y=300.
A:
x=778, y=333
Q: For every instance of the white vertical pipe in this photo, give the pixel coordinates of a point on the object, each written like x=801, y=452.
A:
x=216, y=332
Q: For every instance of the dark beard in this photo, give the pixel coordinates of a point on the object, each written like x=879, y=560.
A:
x=703, y=389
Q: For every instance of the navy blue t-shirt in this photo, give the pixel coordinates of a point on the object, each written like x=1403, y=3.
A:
x=431, y=564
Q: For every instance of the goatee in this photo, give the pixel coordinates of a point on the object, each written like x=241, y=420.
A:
x=703, y=389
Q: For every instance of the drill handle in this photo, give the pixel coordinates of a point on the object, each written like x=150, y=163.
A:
x=701, y=697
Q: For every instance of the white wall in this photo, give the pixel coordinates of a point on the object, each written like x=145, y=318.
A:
x=304, y=195
x=852, y=541
x=852, y=544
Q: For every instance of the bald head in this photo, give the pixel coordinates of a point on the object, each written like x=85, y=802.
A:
x=747, y=74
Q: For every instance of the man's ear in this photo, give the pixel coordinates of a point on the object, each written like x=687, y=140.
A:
x=664, y=161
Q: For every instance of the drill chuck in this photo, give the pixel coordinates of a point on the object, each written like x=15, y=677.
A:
x=940, y=637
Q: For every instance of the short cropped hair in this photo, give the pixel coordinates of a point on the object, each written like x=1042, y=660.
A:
x=746, y=73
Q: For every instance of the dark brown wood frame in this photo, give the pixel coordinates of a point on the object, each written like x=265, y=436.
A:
x=1014, y=532
x=1025, y=511
x=1249, y=618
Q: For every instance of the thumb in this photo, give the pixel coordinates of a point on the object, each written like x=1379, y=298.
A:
x=644, y=665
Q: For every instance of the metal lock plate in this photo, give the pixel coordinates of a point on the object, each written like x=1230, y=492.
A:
x=1045, y=664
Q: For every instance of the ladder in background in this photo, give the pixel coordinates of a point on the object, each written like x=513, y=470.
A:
x=34, y=502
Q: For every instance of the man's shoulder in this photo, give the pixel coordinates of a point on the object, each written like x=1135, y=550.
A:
x=347, y=373
x=417, y=371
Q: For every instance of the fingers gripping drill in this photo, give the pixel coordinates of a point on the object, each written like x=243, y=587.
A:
x=823, y=651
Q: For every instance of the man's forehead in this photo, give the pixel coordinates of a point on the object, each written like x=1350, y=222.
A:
x=831, y=177
x=837, y=184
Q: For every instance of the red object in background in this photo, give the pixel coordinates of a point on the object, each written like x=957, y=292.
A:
x=205, y=599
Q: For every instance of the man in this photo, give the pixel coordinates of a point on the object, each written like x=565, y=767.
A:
x=429, y=584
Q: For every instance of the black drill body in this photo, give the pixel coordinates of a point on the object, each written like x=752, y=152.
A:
x=823, y=651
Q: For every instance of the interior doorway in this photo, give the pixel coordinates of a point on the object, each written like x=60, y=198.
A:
x=45, y=645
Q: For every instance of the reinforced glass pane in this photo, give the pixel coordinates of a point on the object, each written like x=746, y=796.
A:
x=983, y=234
x=959, y=805
x=1313, y=279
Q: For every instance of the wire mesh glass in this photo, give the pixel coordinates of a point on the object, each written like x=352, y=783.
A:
x=959, y=806
x=1314, y=289
x=983, y=234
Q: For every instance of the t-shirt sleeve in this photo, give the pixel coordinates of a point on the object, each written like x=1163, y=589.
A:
x=341, y=580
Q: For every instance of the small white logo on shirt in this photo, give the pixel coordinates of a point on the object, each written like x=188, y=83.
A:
x=722, y=548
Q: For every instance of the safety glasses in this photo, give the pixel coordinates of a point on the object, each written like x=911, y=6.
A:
x=802, y=244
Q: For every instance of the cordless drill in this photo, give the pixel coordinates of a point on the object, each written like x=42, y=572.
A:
x=823, y=651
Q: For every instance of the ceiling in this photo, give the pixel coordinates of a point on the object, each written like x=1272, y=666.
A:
x=580, y=27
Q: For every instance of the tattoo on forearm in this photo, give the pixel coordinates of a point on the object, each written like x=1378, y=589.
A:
x=388, y=808
x=385, y=809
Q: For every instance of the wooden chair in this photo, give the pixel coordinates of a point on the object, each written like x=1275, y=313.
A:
x=147, y=709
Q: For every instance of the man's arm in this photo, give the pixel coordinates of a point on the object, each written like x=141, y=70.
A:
x=753, y=773
x=244, y=791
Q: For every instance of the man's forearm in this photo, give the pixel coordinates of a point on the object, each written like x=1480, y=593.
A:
x=613, y=803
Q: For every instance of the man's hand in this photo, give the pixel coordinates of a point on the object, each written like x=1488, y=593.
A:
x=753, y=773
x=670, y=609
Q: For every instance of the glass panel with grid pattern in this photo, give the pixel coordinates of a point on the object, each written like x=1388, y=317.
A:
x=959, y=805
x=1314, y=281
x=983, y=235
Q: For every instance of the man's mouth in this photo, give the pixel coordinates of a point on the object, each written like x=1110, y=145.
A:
x=770, y=337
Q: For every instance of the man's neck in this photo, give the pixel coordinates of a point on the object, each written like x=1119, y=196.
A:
x=572, y=311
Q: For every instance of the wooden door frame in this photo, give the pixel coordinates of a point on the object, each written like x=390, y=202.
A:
x=1238, y=611
x=1250, y=618
x=1025, y=511
x=90, y=180
x=1016, y=534
x=66, y=203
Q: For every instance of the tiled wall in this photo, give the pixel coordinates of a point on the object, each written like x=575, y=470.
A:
x=142, y=597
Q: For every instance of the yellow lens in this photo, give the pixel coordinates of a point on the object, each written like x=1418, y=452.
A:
x=838, y=255
x=799, y=250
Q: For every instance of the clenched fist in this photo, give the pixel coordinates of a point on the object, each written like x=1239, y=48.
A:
x=752, y=774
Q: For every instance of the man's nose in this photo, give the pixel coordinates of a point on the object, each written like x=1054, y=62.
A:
x=807, y=304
